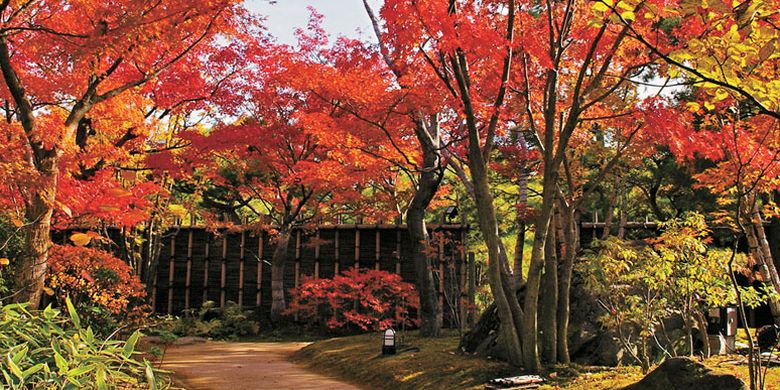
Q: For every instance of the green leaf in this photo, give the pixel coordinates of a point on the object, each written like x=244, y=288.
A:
x=129, y=347
x=32, y=370
x=79, y=371
x=74, y=316
x=61, y=363
x=14, y=368
x=150, y=376
x=17, y=358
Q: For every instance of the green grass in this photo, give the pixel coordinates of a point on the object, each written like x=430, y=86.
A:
x=437, y=365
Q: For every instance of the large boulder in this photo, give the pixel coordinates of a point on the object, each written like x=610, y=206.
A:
x=684, y=374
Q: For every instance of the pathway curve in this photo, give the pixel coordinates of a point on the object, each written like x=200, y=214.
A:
x=239, y=366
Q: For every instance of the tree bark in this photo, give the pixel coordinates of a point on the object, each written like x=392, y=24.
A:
x=570, y=222
x=278, y=261
x=520, y=218
x=549, y=300
x=31, y=265
x=430, y=310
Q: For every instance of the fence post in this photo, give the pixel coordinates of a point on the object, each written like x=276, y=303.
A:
x=206, y=269
x=189, y=270
x=222, y=271
x=336, y=264
x=317, y=255
x=170, y=275
x=377, y=250
x=398, y=250
x=241, y=270
x=357, y=247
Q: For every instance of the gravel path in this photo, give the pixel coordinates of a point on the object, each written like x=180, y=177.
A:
x=239, y=366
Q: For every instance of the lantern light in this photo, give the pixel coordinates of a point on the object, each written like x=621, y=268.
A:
x=388, y=342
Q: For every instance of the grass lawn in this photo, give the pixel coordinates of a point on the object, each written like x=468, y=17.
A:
x=436, y=365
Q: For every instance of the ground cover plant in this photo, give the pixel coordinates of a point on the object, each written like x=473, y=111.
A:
x=49, y=349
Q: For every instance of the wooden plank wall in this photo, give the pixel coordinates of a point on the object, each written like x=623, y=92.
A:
x=197, y=265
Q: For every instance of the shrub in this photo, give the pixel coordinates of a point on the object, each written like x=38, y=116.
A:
x=641, y=285
x=101, y=286
x=10, y=248
x=228, y=323
x=366, y=300
x=47, y=350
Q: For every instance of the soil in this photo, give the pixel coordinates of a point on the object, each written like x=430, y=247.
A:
x=240, y=365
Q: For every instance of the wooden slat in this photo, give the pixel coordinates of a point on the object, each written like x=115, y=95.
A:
x=187, y=280
x=398, y=252
x=357, y=248
x=336, y=260
x=206, y=270
x=317, y=255
x=170, y=274
x=222, y=271
x=241, y=270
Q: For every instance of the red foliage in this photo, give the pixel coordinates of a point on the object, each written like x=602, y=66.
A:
x=356, y=299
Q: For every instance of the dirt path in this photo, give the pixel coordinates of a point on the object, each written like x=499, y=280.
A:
x=239, y=366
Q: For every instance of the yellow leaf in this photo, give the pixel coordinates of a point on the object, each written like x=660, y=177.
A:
x=4, y=261
x=178, y=210
x=17, y=223
x=709, y=106
x=600, y=7
x=628, y=15
x=48, y=291
x=80, y=239
x=721, y=94
x=693, y=106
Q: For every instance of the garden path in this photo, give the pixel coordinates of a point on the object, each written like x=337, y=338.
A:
x=243, y=365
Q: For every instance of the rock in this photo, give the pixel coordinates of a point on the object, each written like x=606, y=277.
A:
x=767, y=337
x=603, y=350
x=684, y=374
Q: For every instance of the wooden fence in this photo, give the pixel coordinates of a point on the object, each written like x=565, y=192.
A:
x=196, y=265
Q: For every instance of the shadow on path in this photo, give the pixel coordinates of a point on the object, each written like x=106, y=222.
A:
x=239, y=366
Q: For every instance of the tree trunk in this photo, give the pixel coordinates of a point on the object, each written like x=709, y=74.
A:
x=430, y=310
x=623, y=210
x=609, y=214
x=278, y=261
x=520, y=218
x=531, y=360
x=549, y=300
x=570, y=223
x=31, y=265
x=488, y=225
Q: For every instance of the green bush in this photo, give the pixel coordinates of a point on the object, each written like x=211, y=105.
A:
x=45, y=349
x=228, y=323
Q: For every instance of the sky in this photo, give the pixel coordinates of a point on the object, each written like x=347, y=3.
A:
x=342, y=17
